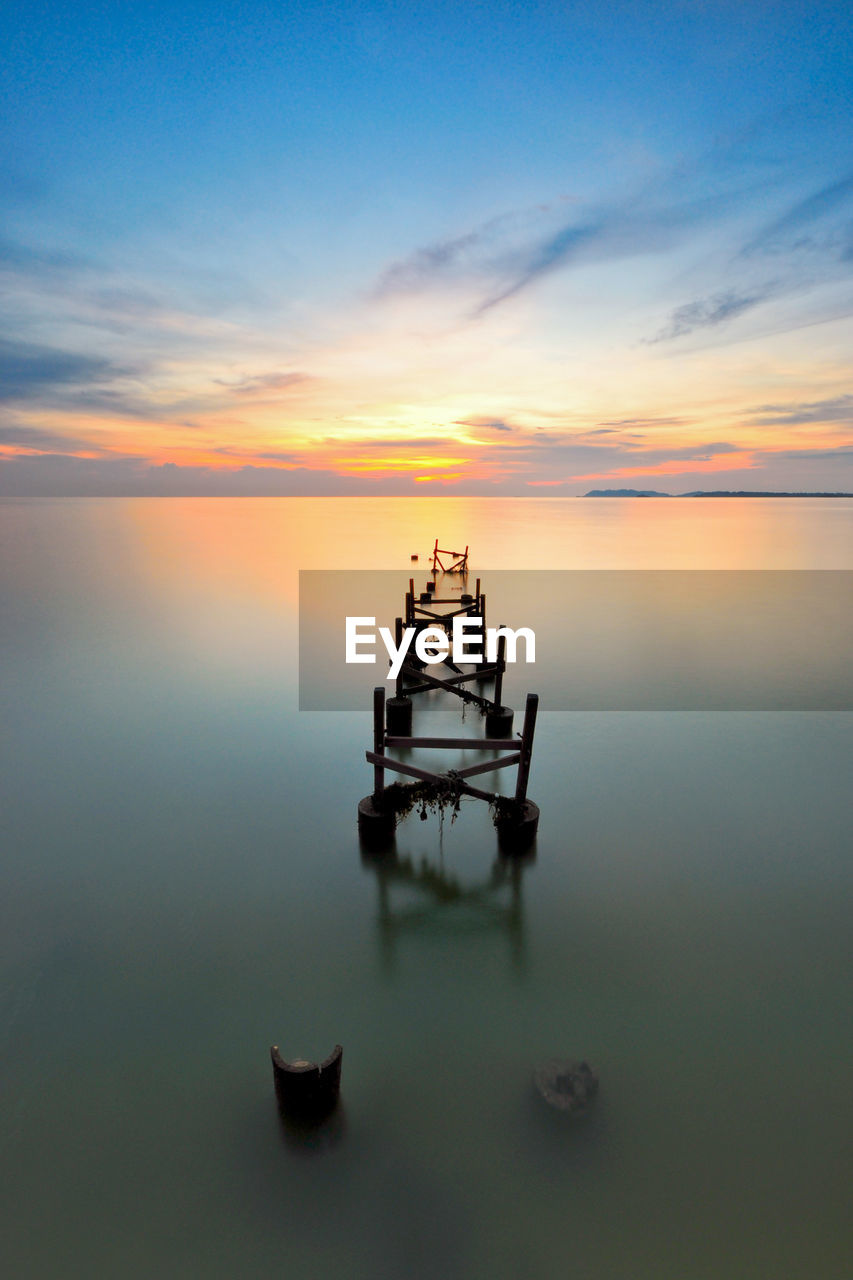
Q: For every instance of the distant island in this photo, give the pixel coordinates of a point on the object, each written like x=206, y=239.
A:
x=625, y=493
x=706, y=493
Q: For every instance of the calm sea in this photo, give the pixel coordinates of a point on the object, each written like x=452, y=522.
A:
x=183, y=886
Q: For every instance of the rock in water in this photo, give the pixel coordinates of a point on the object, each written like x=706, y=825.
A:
x=567, y=1085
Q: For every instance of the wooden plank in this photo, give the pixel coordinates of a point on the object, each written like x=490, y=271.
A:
x=412, y=771
x=527, y=732
x=378, y=735
x=450, y=600
x=420, y=611
x=478, y=744
x=501, y=665
x=480, y=674
x=487, y=766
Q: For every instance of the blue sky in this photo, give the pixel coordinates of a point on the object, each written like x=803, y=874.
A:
x=426, y=248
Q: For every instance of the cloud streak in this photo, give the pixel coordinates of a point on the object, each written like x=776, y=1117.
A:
x=710, y=312
x=836, y=409
x=27, y=369
x=802, y=214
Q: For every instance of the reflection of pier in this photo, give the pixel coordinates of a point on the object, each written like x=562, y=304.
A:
x=426, y=894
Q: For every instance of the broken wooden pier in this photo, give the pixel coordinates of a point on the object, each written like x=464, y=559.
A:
x=516, y=817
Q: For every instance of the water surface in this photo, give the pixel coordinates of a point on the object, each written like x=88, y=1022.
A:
x=183, y=885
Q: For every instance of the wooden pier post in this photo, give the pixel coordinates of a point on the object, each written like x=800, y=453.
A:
x=526, y=746
x=499, y=678
x=398, y=640
x=375, y=825
x=498, y=717
x=398, y=710
x=478, y=643
x=379, y=738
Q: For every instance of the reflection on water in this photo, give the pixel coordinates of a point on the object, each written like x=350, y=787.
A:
x=306, y=1137
x=183, y=885
x=613, y=640
x=413, y=898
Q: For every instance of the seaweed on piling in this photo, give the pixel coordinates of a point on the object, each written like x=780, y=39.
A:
x=427, y=796
x=441, y=795
x=506, y=811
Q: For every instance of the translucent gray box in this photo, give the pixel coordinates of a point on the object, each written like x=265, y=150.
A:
x=612, y=640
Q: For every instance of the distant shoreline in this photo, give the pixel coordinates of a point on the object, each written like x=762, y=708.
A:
x=707, y=493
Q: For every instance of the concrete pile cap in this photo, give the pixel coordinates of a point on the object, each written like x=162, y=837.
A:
x=566, y=1084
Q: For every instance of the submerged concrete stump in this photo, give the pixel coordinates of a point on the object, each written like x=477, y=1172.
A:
x=567, y=1085
x=398, y=716
x=499, y=722
x=307, y=1090
x=517, y=831
x=375, y=826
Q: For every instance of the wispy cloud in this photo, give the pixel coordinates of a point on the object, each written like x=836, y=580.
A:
x=505, y=256
x=27, y=369
x=801, y=215
x=487, y=424
x=835, y=409
x=812, y=455
x=647, y=422
x=40, y=440
x=708, y=313
x=15, y=256
x=61, y=474
x=431, y=262
x=388, y=444
x=264, y=383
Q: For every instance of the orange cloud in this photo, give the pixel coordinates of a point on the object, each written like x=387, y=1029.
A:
x=722, y=462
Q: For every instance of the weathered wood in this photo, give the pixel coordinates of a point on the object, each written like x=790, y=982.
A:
x=451, y=685
x=448, y=600
x=471, y=770
x=470, y=697
x=398, y=640
x=378, y=736
x=501, y=664
x=460, y=562
x=461, y=678
x=526, y=745
x=412, y=771
x=478, y=744
x=424, y=612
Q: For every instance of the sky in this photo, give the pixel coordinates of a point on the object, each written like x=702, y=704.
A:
x=386, y=248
